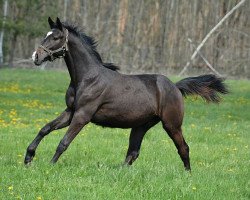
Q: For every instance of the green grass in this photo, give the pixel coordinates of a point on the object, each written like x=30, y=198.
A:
x=218, y=136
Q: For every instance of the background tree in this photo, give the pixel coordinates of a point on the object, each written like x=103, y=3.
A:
x=142, y=35
x=5, y=7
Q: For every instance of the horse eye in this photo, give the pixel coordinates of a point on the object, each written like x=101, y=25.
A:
x=55, y=38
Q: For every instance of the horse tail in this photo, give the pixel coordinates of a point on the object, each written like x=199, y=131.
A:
x=207, y=86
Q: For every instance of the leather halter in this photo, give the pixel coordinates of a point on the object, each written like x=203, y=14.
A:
x=58, y=53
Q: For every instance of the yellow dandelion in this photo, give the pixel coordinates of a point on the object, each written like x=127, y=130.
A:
x=193, y=125
x=39, y=198
x=201, y=163
x=10, y=187
x=194, y=188
x=18, y=197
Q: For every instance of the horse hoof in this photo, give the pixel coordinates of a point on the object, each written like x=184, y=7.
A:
x=27, y=162
x=125, y=164
x=28, y=159
x=188, y=169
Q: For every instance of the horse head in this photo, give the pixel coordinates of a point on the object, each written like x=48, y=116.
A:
x=54, y=45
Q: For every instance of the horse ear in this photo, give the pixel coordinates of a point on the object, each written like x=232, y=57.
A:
x=51, y=23
x=59, y=24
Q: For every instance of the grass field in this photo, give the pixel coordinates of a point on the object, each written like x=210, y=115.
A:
x=218, y=136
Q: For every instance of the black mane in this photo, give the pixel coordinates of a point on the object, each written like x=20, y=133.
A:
x=90, y=42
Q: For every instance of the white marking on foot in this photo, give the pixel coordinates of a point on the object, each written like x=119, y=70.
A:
x=34, y=56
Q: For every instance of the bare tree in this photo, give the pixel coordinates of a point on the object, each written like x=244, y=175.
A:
x=210, y=33
x=5, y=7
x=143, y=35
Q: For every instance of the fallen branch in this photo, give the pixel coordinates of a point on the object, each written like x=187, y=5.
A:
x=205, y=60
x=209, y=34
x=20, y=61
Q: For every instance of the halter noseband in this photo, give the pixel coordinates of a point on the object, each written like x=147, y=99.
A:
x=58, y=53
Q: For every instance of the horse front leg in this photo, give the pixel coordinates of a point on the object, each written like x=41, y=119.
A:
x=60, y=122
x=79, y=120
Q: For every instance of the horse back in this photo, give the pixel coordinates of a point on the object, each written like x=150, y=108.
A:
x=132, y=100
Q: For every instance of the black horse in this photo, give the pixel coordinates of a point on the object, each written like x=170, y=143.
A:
x=99, y=94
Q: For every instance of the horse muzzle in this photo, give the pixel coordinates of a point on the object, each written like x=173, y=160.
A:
x=39, y=57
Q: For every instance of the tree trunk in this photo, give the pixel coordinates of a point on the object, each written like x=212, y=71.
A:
x=12, y=49
x=2, y=31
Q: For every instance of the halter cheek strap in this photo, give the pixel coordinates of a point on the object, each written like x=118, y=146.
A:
x=58, y=53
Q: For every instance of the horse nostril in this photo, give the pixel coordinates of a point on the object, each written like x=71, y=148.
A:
x=36, y=57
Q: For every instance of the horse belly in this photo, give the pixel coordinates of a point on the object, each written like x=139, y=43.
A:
x=123, y=116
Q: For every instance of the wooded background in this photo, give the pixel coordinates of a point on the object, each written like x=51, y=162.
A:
x=139, y=36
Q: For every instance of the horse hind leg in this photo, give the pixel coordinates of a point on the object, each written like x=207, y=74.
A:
x=183, y=149
x=135, y=140
x=171, y=115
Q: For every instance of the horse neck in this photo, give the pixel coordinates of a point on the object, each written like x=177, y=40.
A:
x=79, y=61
